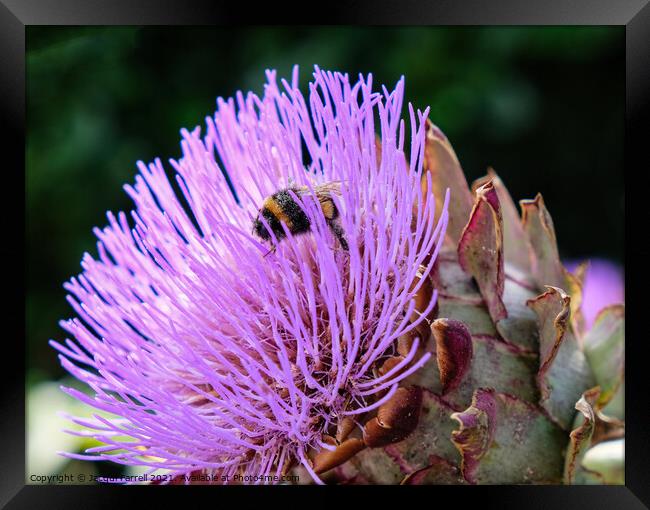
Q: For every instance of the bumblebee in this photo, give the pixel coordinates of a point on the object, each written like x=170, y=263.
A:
x=282, y=208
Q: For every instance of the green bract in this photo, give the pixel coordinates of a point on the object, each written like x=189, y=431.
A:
x=517, y=389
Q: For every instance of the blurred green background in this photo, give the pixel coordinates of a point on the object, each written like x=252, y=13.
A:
x=544, y=106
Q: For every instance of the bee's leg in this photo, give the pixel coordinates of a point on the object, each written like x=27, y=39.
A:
x=272, y=250
x=340, y=235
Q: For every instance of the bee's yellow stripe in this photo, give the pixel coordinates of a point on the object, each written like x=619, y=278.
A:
x=328, y=208
x=277, y=211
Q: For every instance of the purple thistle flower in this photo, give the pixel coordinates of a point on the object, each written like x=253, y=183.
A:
x=218, y=358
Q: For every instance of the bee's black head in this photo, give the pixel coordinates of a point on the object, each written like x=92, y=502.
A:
x=261, y=231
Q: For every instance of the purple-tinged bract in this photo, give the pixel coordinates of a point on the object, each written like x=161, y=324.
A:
x=218, y=356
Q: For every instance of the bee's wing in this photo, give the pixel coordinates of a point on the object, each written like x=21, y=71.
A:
x=322, y=191
x=325, y=191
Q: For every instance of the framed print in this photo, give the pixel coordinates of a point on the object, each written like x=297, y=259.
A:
x=266, y=254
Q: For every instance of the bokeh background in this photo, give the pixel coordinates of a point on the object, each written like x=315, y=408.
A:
x=544, y=106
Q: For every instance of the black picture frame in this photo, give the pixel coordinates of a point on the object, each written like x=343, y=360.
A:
x=15, y=15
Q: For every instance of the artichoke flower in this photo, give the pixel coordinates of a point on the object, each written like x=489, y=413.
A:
x=430, y=335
